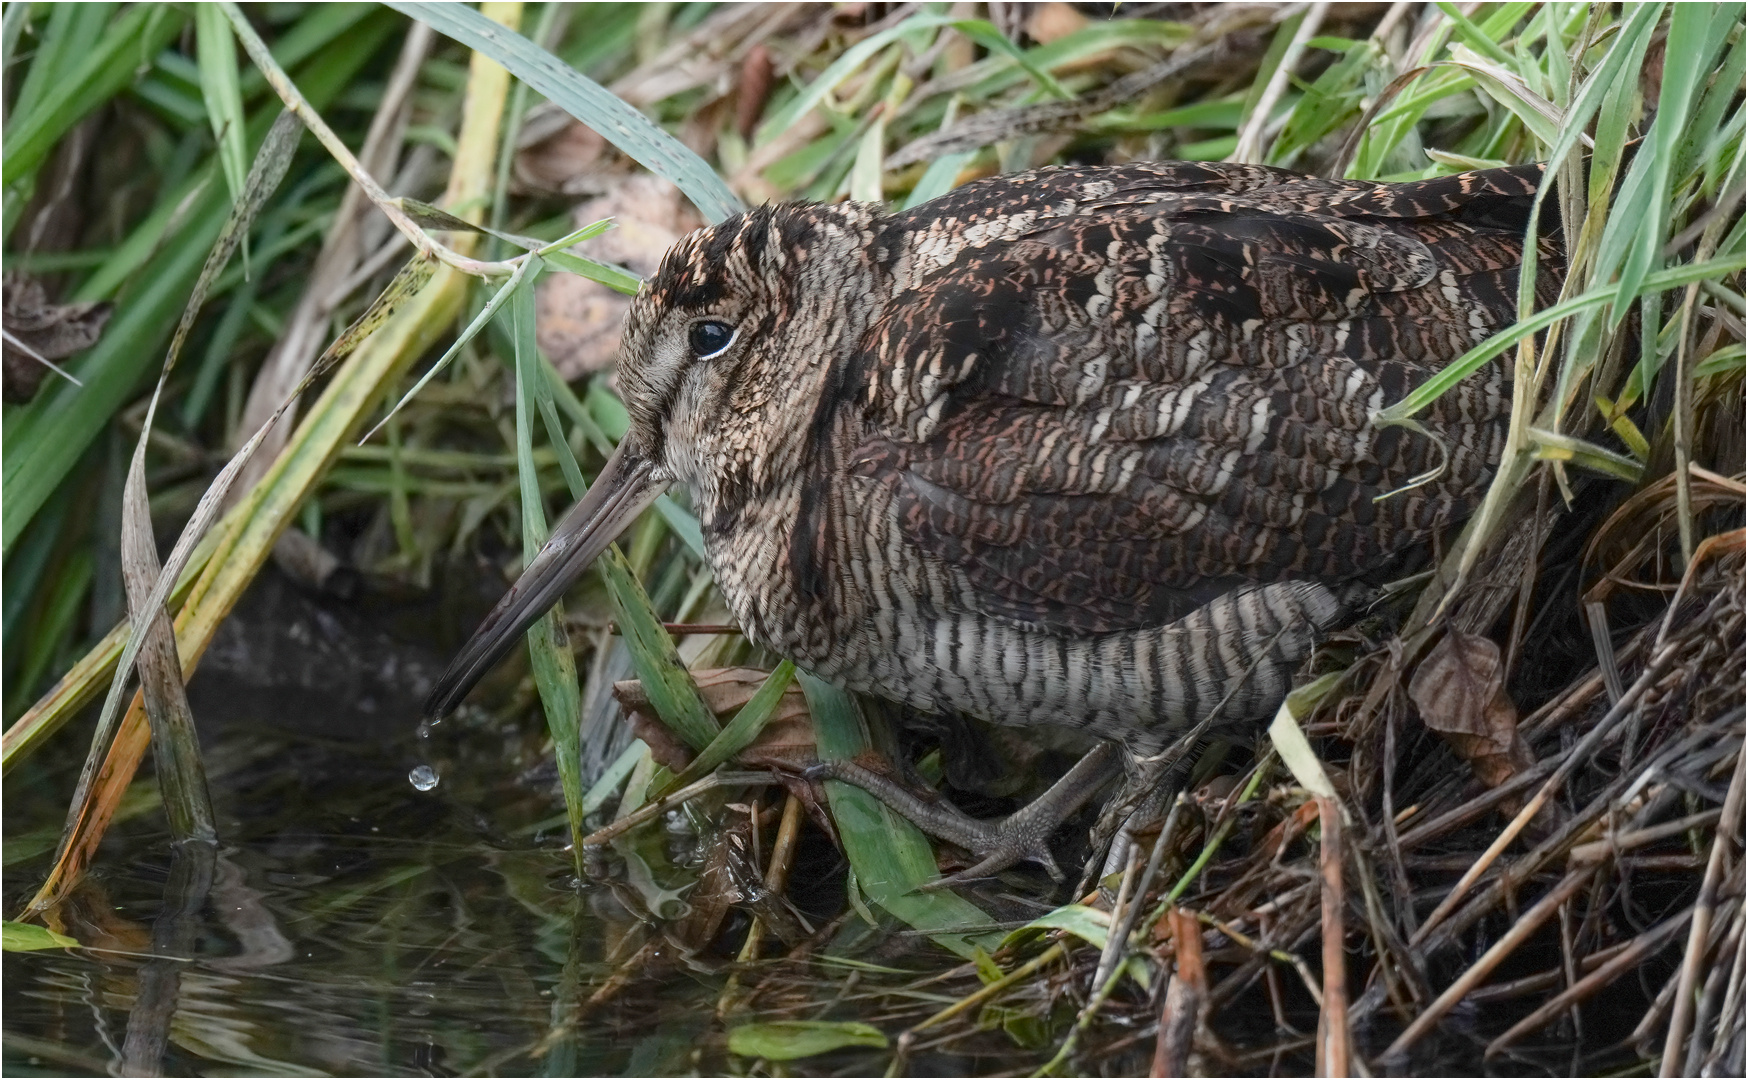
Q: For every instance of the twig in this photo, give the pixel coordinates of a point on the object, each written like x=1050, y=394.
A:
x=1332, y=1034
x=1708, y=1001
x=1646, y=944
x=1123, y=914
x=1598, y=850
x=1702, y=919
x=1529, y=923
x=1245, y=941
x=1580, y=752
x=1732, y=1004
x=1186, y=999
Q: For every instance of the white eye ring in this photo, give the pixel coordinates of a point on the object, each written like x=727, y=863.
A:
x=693, y=338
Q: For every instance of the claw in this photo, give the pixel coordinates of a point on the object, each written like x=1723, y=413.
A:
x=1023, y=836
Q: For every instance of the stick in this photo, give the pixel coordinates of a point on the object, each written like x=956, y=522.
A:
x=1517, y=935
x=1580, y=752
x=1646, y=944
x=1186, y=998
x=1696, y=933
x=1332, y=1034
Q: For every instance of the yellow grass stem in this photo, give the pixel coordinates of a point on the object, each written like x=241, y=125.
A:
x=357, y=387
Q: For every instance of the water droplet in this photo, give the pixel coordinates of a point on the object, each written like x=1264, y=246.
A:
x=423, y=777
x=425, y=726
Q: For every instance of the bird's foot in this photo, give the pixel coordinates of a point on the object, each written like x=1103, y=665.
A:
x=1020, y=837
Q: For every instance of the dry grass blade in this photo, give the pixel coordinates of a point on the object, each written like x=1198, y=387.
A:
x=411, y=311
x=1521, y=930
x=300, y=343
x=1680, y=1024
x=1333, y=1037
x=148, y=585
x=1636, y=952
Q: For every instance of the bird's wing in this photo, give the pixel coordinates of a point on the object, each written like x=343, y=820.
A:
x=1104, y=417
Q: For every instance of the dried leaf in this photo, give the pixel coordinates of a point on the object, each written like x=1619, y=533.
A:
x=1054, y=21
x=785, y=741
x=39, y=333
x=579, y=320
x=1460, y=691
x=757, y=74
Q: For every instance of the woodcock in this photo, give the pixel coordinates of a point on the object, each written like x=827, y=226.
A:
x=1080, y=446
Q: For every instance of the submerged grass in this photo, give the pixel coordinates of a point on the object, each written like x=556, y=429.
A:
x=1604, y=569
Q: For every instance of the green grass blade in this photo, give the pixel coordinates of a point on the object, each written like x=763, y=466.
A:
x=45, y=439
x=1688, y=24
x=938, y=178
x=1727, y=359
x=217, y=51
x=672, y=693
x=69, y=33
x=842, y=68
x=505, y=292
x=616, y=278
x=555, y=667
x=985, y=34
x=587, y=232
x=889, y=855
x=585, y=99
x=685, y=525
x=1428, y=392
x=782, y=1040
x=1474, y=36
x=321, y=26
x=95, y=76
x=11, y=29
x=90, y=674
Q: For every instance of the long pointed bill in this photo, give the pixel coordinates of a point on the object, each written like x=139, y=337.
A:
x=622, y=491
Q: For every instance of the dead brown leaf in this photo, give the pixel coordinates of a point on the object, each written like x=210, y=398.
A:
x=757, y=73
x=1460, y=691
x=49, y=331
x=563, y=158
x=579, y=320
x=786, y=743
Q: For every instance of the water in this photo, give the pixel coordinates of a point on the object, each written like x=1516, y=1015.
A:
x=359, y=917
x=351, y=927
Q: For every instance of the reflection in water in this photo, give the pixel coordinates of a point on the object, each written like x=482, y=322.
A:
x=173, y=934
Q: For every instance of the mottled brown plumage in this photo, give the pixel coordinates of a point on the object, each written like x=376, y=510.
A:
x=1083, y=446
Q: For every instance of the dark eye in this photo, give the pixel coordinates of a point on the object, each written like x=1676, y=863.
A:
x=710, y=337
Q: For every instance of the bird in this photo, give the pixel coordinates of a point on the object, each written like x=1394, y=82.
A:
x=1085, y=446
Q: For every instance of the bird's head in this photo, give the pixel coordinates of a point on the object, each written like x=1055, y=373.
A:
x=726, y=348
x=726, y=353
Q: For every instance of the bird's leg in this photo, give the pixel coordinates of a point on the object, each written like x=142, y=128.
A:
x=1022, y=835
x=1150, y=783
